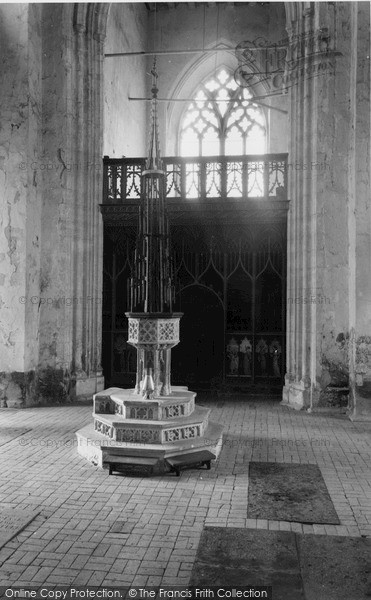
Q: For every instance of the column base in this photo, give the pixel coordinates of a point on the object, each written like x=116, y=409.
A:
x=46, y=386
x=361, y=403
x=86, y=387
x=17, y=389
x=296, y=395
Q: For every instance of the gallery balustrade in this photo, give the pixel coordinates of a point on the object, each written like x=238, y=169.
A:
x=206, y=178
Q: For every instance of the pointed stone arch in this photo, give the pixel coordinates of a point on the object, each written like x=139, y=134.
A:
x=192, y=75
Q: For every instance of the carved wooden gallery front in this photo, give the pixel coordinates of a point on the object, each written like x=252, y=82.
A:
x=228, y=232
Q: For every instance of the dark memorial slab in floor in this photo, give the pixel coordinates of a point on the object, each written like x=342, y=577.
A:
x=334, y=567
x=287, y=492
x=248, y=557
x=297, y=566
x=13, y=521
x=8, y=434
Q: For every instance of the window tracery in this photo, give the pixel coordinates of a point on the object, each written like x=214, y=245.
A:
x=222, y=120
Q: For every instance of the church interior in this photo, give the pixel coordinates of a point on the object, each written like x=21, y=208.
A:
x=185, y=247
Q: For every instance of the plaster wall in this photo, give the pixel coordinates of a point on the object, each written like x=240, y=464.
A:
x=20, y=192
x=34, y=212
x=125, y=122
x=50, y=186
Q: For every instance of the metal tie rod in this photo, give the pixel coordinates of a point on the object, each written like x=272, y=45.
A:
x=237, y=101
x=193, y=51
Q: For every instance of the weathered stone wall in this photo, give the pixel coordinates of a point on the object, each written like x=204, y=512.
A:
x=362, y=169
x=51, y=183
x=20, y=192
x=318, y=294
x=360, y=363
x=125, y=122
x=55, y=167
x=331, y=188
x=70, y=345
x=329, y=226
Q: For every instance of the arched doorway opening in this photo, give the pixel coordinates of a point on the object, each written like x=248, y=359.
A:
x=199, y=357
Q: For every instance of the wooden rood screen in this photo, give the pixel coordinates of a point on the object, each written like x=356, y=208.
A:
x=228, y=228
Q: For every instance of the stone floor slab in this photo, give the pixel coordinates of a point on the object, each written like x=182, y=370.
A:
x=13, y=521
x=287, y=492
x=335, y=568
x=245, y=557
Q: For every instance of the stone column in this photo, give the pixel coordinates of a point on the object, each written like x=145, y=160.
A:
x=301, y=317
x=139, y=375
x=87, y=184
x=359, y=218
x=72, y=244
x=157, y=371
x=166, y=388
x=329, y=235
x=318, y=261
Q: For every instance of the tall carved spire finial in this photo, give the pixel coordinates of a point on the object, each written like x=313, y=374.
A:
x=151, y=287
x=154, y=161
x=153, y=327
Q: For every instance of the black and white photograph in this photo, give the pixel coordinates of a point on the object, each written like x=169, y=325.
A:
x=185, y=300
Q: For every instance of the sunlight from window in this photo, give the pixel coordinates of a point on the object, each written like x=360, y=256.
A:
x=222, y=120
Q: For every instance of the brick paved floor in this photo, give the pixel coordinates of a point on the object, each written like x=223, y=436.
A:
x=73, y=540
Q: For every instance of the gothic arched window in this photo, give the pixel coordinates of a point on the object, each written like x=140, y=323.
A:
x=222, y=120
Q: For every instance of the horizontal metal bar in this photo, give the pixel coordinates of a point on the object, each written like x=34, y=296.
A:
x=194, y=51
x=237, y=101
x=160, y=52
